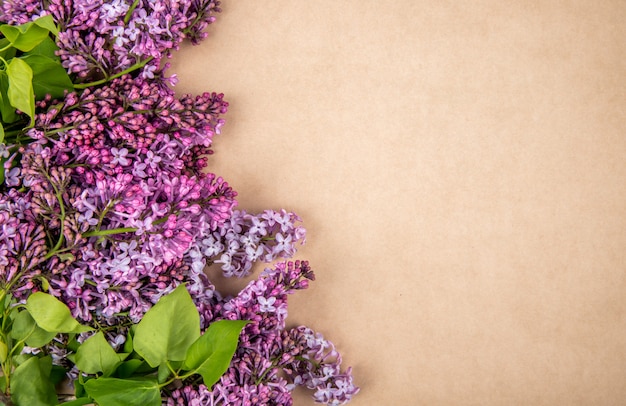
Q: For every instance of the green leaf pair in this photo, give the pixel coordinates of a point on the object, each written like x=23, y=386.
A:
x=96, y=355
x=29, y=70
x=52, y=315
x=124, y=392
x=33, y=380
x=166, y=346
x=31, y=383
x=168, y=339
x=27, y=36
x=170, y=331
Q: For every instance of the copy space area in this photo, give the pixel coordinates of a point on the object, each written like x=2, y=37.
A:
x=460, y=169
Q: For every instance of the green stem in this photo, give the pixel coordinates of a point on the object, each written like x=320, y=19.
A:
x=102, y=233
x=274, y=364
x=129, y=13
x=103, y=213
x=199, y=16
x=56, y=247
x=169, y=366
x=58, y=130
x=6, y=374
x=175, y=376
x=179, y=377
x=136, y=66
x=7, y=365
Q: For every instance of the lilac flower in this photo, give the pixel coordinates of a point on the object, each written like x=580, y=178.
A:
x=266, y=304
x=119, y=156
x=132, y=32
x=112, y=11
x=108, y=204
x=12, y=177
x=318, y=368
x=154, y=28
x=22, y=241
x=152, y=160
x=271, y=361
x=4, y=152
x=88, y=218
x=19, y=11
x=148, y=71
x=246, y=238
x=283, y=244
x=139, y=169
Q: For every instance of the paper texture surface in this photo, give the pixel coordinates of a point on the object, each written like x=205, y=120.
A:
x=460, y=170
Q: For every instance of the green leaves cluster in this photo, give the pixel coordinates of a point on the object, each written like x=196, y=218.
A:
x=29, y=70
x=164, y=347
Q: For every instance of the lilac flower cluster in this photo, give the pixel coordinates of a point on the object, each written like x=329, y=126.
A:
x=108, y=203
x=270, y=360
x=100, y=38
x=246, y=238
x=22, y=240
x=117, y=173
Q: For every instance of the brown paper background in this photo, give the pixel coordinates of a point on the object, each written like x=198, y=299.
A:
x=460, y=170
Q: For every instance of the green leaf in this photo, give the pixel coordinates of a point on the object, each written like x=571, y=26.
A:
x=66, y=256
x=79, y=386
x=52, y=315
x=127, y=368
x=77, y=402
x=1, y=133
x=49, y=77
x=9, y=52
x=96, y=355
x=20, y=91
x=47, y=47
x=128, y=344
x=21, y=358
x=47, y=22
x=5, y=299
x=168, y=328
x=25, y=329
x=45, y=285
x=73, y=343
x=4, y=350
x=23, y=325
x=17, y=349
x=124, y=392
x=143, y=369
x=26, y=36
x=211, y=354
x=163, y=373
x=8, y=112
x=30, y=383
x=58, y=374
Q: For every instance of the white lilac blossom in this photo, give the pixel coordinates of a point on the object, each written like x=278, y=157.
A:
x=109, y=203
x=246, y=238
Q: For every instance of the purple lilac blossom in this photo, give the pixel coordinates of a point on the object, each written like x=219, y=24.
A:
x=271, y=360
x=247, y=238
x=91, y=164
x=109, y=204
x=99, y=38
x=318, y=367
x=22, y=241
